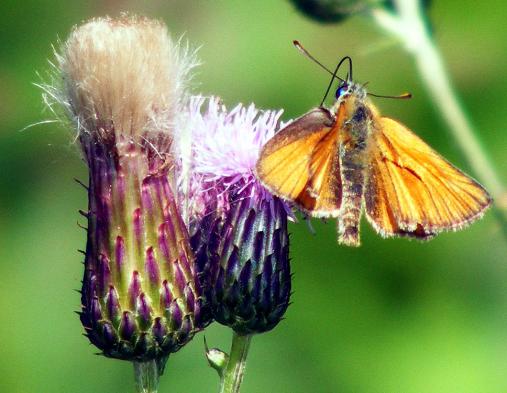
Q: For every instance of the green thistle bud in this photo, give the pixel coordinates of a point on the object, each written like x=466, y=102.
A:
x=333, y=11
x=123, y=88
x=217, y=359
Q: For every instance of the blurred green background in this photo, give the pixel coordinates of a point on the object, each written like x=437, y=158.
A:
x=392, y=316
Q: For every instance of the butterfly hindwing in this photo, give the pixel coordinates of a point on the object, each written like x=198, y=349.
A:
x=412, y=190
x=300, y=164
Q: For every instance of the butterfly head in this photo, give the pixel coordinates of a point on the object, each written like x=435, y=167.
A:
x=342, y=89
x=347, y=88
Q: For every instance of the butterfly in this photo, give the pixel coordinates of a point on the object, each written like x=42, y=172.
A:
x=341, y=161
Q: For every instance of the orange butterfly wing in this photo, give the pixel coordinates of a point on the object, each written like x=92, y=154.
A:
x=411, y=190
x=301, y=164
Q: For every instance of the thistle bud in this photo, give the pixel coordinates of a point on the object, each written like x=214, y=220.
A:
x=329, y=11
x=334, y=11
x=123, y=85
x=239, y=228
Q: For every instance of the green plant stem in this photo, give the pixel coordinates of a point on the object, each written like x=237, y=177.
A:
x=235, y=369
x=408, y=25
x=147, y=375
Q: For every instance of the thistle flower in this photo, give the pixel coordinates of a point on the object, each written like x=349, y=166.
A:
x=123, y=88
x=239, y=229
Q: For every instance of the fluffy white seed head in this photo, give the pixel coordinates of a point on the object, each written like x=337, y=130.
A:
x=125, y=75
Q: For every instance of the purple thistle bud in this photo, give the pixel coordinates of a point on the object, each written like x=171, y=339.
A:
x=95, y=312
x=159, y=330
x=134, y=290
x=104, y=276
x=119, y=253
x=113, y=305
x=127, y=325
x=239, y=231
x=144, y=312
x=122, y=85
x=174, y=315
x=165, y=296
x=151, y=268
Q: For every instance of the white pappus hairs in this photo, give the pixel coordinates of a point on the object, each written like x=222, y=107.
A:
x=126, y=72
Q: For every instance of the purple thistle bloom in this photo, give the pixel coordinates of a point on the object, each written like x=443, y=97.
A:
x=239, y=230
x=123, y=89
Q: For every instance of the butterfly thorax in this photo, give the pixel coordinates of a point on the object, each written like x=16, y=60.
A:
x=353, y=116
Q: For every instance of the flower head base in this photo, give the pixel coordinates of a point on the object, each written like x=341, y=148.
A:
x=123, y=88
x=240, y=236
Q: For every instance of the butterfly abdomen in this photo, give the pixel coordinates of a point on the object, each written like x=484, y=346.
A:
x=353, y=169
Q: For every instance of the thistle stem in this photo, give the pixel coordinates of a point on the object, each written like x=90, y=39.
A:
x=147, y=376
x=235, y=369
x=408, y=25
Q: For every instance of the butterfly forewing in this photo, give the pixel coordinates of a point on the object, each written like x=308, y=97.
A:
x=300, y=164
x=324, y=185
x=412, y=190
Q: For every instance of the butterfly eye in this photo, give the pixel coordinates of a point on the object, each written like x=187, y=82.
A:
x=341, y=90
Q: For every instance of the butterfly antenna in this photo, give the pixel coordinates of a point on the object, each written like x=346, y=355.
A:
x=300, y=47
x=334, y=76
x=349, y=74
x=305, y=52
x=404, y=96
